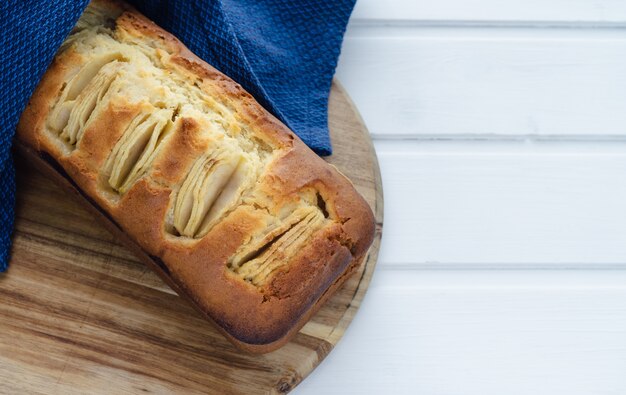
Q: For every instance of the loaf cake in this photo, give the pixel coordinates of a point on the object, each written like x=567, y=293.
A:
x=226, y=203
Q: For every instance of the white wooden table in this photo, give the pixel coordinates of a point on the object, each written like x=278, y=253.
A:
x=500, y=126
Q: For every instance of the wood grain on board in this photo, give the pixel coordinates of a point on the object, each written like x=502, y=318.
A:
x=80, y=313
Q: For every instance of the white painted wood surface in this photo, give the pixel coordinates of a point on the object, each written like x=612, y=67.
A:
x=473, y=11
x=503, y=204
x=487, y=81
x=483, y=332
x=500, y=127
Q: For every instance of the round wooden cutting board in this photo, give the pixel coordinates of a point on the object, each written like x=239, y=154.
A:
x=80, y=314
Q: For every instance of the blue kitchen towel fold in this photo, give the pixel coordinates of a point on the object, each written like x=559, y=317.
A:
x=284, y=52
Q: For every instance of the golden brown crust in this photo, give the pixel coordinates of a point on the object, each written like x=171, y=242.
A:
x=257, y=312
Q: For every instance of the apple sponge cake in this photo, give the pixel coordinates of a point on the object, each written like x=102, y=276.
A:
x=228, y=205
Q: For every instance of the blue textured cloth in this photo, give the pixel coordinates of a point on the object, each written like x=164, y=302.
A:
x=284, y=52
